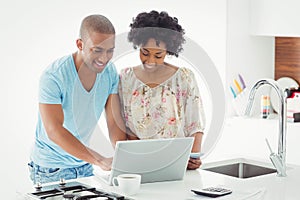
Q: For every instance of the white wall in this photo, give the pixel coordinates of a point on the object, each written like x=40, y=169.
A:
x=34, y=33
x=275, y=18
x=246, y=54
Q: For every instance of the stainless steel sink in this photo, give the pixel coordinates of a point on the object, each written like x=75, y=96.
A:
x=240, y=168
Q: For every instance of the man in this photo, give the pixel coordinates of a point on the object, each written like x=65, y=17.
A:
x=73, y=92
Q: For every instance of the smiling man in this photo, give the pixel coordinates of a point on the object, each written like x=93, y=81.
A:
x=73, y=92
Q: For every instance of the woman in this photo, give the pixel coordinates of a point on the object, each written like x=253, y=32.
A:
x=160, y=100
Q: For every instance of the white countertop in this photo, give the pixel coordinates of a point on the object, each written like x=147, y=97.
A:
x=241, y=138
x=268, y=187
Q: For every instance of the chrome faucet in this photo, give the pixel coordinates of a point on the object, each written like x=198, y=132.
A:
x=279, y=159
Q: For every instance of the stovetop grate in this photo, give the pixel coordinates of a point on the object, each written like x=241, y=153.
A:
x=72, y=191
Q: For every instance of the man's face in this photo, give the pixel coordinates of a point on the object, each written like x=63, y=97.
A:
x=97, y=50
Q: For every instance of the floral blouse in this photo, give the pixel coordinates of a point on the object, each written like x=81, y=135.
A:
x=172, y=109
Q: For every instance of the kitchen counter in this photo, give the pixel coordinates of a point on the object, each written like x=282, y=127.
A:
x=268, y=187
x=241, y=138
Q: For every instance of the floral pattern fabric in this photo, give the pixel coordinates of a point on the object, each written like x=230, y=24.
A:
x=172, y=109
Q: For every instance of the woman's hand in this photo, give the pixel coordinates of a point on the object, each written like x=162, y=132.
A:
x=194, y=163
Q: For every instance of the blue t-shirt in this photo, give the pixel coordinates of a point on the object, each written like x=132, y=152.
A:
x=60, y=84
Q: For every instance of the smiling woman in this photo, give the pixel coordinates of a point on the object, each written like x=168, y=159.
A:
x=166, y=101
x=145, y=100
x=128, y=57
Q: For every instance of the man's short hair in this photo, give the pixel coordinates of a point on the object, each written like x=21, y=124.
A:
x=95, y=23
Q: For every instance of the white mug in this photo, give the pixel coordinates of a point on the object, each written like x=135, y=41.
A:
x=127, y=183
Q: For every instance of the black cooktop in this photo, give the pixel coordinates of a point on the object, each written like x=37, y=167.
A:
x=72, y=191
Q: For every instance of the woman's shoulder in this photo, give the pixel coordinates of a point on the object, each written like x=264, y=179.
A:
x=126, y=72
x=186, y=73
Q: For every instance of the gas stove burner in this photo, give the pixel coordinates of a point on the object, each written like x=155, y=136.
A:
x=68, y=196
x=72, y=191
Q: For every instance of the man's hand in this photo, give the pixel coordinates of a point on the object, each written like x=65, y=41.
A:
x=194, y=163
x=104, y=163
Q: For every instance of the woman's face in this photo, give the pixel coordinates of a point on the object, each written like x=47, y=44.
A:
x=153, y=55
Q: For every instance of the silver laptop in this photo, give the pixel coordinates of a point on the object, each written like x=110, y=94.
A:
x=156, y=159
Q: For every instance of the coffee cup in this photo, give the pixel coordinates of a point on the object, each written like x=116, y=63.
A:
x=128, y=184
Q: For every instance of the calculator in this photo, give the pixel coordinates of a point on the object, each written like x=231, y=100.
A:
x=213, y=191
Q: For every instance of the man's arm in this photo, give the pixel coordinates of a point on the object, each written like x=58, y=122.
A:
x=53, y=118
x=115, y=122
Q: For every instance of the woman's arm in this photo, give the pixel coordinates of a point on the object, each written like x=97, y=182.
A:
x=195, y=163
x=115, y=123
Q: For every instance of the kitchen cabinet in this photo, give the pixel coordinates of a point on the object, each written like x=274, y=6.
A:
x=287, y=57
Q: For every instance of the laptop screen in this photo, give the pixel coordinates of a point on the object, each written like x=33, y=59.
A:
x=155, y=159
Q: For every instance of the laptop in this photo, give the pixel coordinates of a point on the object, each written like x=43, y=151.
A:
x=154, y=159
